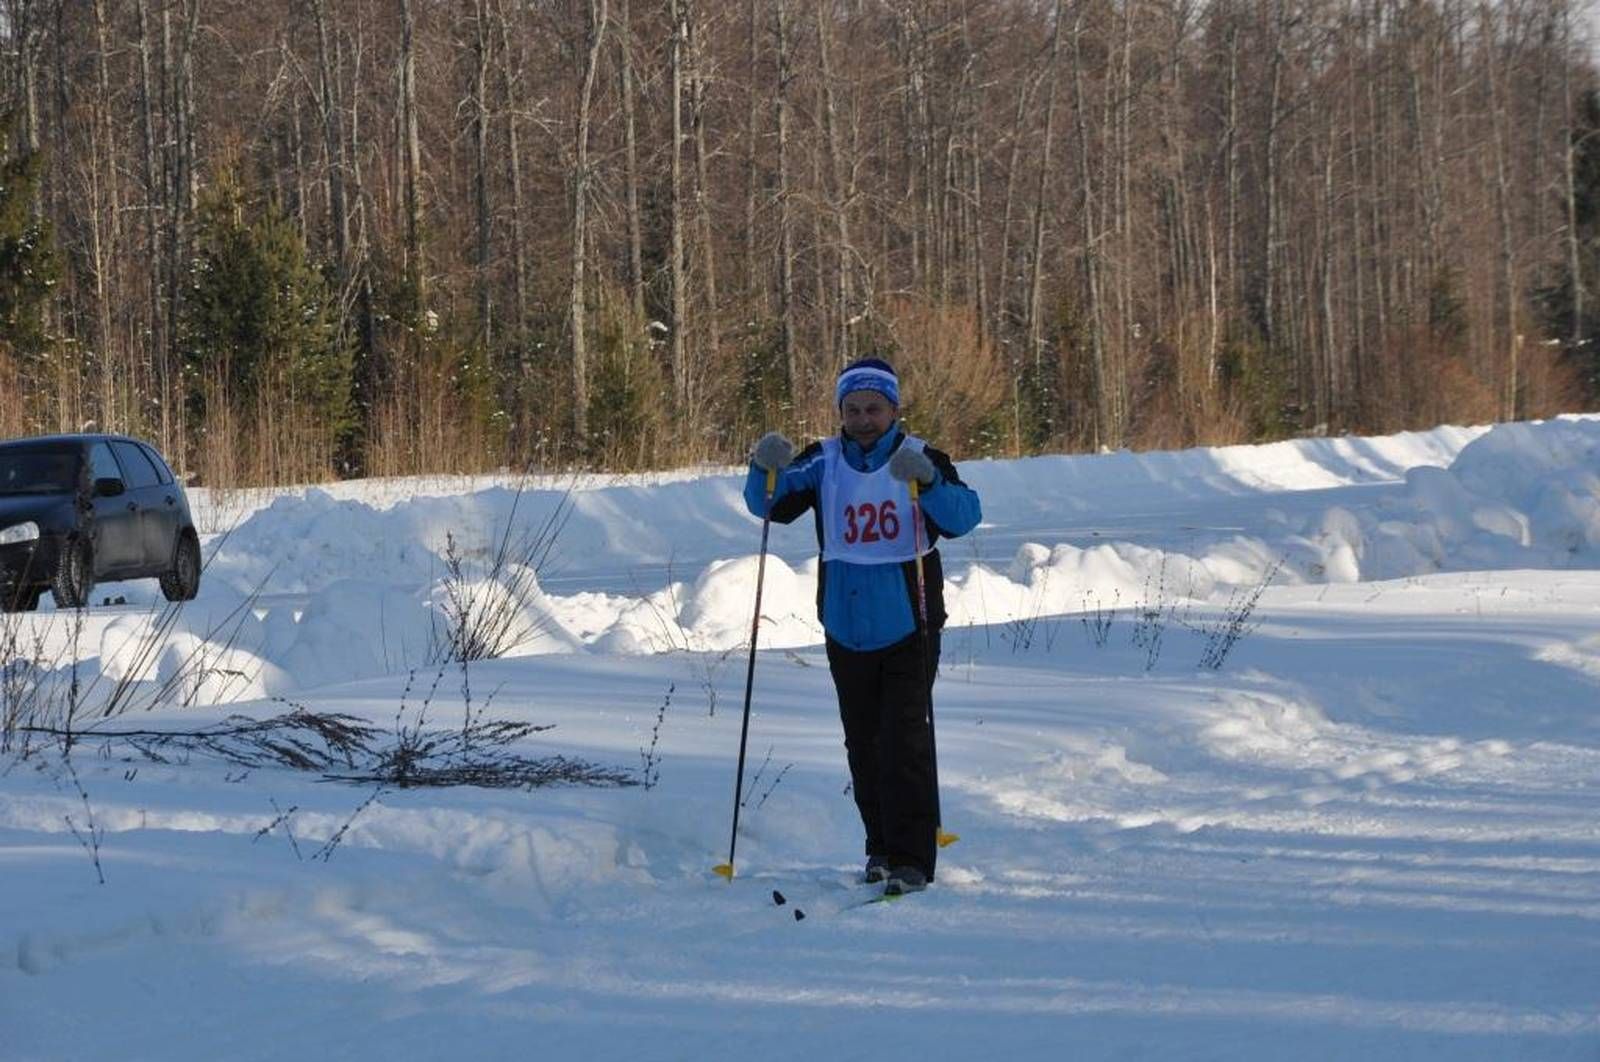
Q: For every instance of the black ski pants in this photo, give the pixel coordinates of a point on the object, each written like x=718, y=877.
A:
x=884, y=700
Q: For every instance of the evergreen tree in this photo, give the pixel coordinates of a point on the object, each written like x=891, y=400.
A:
x=29, y=268
x=1557, y=300
x=260, y=335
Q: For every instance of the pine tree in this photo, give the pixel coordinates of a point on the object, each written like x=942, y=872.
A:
x=29, y=267
x=264, y=363
x=1557, y=299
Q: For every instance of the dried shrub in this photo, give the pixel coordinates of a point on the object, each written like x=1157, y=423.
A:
x=1420, y=379
x=490, y=612
x=952, y=377
x=1551, y=382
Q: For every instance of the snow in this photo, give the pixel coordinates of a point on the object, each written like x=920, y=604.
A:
x=1370, y=833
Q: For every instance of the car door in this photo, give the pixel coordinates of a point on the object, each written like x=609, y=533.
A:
x=144, y=487
x=165, y=516
x=116, y=532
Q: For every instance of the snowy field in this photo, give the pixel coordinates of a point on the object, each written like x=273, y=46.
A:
x=1279, y=752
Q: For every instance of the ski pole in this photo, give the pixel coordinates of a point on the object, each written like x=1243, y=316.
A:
x=945, y=839
x=726, y=869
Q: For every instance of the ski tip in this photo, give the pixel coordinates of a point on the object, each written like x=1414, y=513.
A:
x=948, y=839
x=779, y=898
x=799, y=915
x=723, y=870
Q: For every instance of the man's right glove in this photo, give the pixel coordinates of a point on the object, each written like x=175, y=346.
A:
x=773, y=452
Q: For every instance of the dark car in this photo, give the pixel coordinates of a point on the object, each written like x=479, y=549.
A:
x=80, y=509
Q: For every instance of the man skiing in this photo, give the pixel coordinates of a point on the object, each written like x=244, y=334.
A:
x=882, y=659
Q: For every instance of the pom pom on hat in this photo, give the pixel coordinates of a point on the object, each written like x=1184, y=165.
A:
x=868, y=374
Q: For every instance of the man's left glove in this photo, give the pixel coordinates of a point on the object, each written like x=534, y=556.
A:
x=908, y=464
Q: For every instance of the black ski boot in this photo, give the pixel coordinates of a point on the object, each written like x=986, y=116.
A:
x=905, y=879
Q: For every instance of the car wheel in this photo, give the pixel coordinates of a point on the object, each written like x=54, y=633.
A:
x=21, y=599
x=182, y=583
x=74, y=578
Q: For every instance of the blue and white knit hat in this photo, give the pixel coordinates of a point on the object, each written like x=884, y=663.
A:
x=868, y=374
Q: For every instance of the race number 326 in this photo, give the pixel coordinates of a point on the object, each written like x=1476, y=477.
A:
x=871, y=523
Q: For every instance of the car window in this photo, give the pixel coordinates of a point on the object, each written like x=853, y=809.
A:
x=101, y=464
x=140, y=472
x=38, y=471
x=161, y=466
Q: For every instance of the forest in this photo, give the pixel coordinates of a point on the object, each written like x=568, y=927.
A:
x=293, y=240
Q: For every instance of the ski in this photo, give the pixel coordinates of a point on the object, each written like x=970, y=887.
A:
x=780, y=900
x=882, y=897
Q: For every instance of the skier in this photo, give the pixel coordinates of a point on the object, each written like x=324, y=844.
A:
x=883, y=663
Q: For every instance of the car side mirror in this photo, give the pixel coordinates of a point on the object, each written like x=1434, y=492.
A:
x=108, y=487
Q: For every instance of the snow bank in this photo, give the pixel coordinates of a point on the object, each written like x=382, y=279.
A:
x=1520, y=496
x=323, y=585
x=1517, y=496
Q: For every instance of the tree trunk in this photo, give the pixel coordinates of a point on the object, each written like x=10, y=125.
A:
x=1107, y=429
x=576, y=313
x=1267, y=320
x=630, y=164
x=1032, y=309
x=333, y=141
x=155, y=202
x=1327, y=404
x=105, y=247
x=511, y=75
x=412, y=155
x=972, y=106
x=24, y=31
x=1230, y=241
x=843, y=293
x=480, y=180
x=1569, y=181
x=181, y=195
x=706, y=249
x=680, y=306
x=786, y=308
x=1005, y=316
x=752, y=182
x=1502, y=195
x=1427, y=169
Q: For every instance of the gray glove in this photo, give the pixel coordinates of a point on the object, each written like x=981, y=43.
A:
x=773, y=452
x=908, y=464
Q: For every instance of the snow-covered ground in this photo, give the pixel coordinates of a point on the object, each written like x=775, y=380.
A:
x=1373, y=832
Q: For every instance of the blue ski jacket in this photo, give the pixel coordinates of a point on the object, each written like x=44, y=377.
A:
x=871, y=606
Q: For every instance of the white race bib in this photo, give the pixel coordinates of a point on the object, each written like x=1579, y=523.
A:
x=866, y=516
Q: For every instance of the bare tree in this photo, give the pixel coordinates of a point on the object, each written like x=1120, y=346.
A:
x=680, y=286
x=480, y=175
x=630, y=172
x=1569, y=138
x=706, y=243
x=842, y=188
x=511, y=81
x=576, y=313
x=411, y=157
x=786, y=302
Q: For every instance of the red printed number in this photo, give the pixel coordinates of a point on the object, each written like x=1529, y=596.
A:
x=871, y=523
